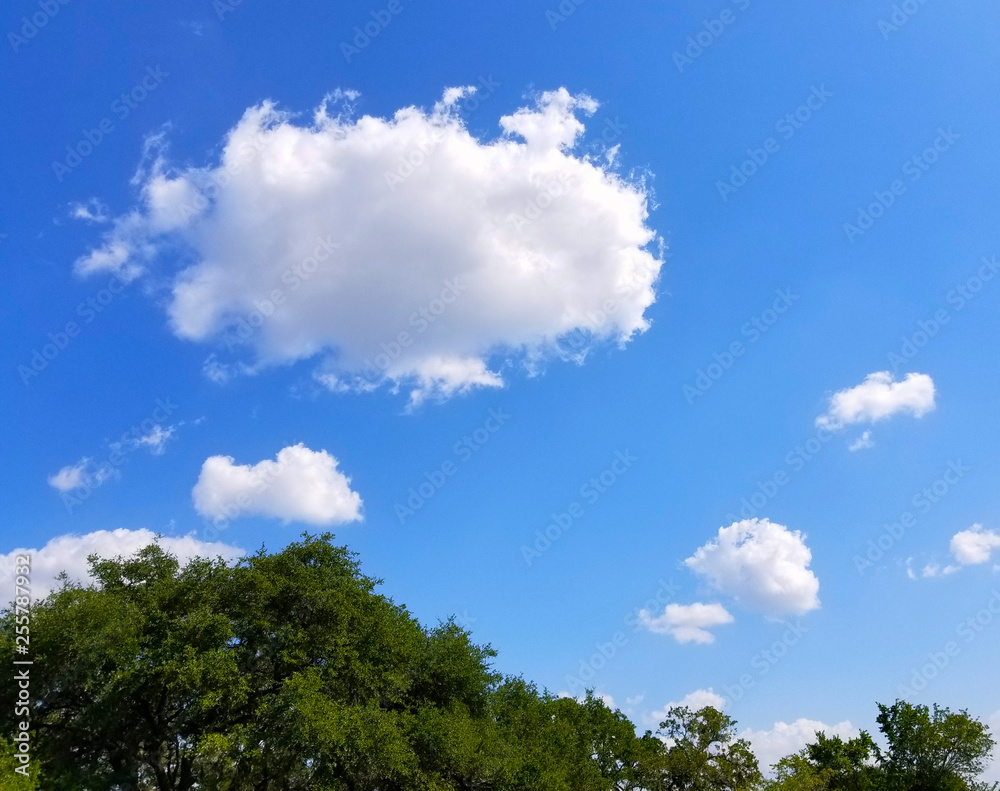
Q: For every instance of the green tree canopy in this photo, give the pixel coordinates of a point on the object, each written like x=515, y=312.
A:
x=290, y=672
x=702, y=753
x=286, y=671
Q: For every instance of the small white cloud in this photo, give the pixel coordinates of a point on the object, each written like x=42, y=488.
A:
x=301, y=485
x=69, y=553
x=91, y=210
x=971, y=547
x=501, y=250
x=687, y=623
x=932, y=570
x=770, y=746
x=877, y=398
x=222, y=373
x=975, y=545
x=864, y=441
x=763, y=565
x=695, y=701
x=70, y=477
x=992, y=772
x=82, y=475
x=156, y=439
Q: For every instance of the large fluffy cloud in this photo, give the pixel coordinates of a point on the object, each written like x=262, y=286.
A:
x=770, y=746
x=687, y=623
x=400, y=249
x=763, y=565
x=877, y=398
x=300, y=485
x=69, y=553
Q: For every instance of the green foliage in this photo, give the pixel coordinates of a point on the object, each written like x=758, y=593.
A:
x=11, y=780
x=927, y=750
x=286, y=671
x=931, y=749
x=289, y=672
x=703, y=754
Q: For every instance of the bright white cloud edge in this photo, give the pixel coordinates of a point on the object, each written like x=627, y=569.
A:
x=299, y=485
x=69, y=553
x=879, y=397
x=687, y=623
x=359, y=226
x=763, y=565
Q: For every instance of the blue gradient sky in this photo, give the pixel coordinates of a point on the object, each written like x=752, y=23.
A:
x=887, y=95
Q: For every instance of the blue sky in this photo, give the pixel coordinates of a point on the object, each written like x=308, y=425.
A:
x=841, y=107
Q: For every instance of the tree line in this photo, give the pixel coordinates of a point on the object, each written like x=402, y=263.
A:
x=287, y=671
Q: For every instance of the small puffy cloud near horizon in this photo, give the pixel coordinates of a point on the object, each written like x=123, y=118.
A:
x=518, y=249
x=695, y=701
x=770, y=745
x=69, y=553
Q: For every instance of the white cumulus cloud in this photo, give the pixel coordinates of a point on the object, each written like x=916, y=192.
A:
x=300, y=485
x=862, y=442
x=695, y=701
x=877, y=398
x=971, y=547
x=763, y=565
x=770, y=746
x=92, y=211
x=155, y=440
x=69, y=553
x=81, y=475
x=687, y=623
x=397, y=250
x=975, y=545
